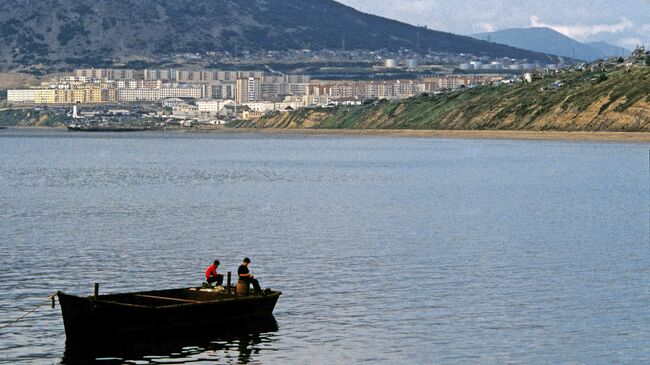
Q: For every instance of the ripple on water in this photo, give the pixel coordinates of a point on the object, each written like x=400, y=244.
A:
x=387, y=250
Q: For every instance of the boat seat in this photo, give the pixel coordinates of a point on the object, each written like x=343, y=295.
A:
x=243, y=288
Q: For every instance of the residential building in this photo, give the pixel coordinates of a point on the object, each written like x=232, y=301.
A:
x=212, y=107
x=248, y=89
x=22, y=96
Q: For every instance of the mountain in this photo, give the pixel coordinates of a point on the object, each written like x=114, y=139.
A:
x=617, y=102
x=93, y=32
x=549, y=41
x=608, y=50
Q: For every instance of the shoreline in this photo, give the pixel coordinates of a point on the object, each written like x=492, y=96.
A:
x=631, y=137
x=636, y=137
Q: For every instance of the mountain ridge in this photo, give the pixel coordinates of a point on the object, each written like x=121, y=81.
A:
x=91, y=32
x=547, y=40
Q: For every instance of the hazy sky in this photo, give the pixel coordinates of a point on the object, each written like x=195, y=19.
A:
x=623, y=22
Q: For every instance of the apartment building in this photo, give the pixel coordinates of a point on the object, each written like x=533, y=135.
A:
x=108, y=73
x=88, y=95
x=248, y=90
x=22, y=96
x=133, y=95
x=62, y=96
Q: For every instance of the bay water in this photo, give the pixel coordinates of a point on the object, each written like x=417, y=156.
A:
x=387, y=250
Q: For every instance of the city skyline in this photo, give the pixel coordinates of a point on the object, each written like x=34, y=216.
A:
x=624, y=23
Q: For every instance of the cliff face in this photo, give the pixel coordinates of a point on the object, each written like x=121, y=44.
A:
x=97, y=32
x=621, y=103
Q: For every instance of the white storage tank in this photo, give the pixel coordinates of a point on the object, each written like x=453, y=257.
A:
x=497, y=65
x=390, y=63
x=476, y=65
x=411, y=63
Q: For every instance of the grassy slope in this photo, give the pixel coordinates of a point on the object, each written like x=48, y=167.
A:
x=31, y=118
x=621, y=103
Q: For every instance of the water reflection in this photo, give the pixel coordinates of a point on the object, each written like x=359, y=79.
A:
x=526, y=252
x=231, y=344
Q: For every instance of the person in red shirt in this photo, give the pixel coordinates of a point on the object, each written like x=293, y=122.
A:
x=211, y=275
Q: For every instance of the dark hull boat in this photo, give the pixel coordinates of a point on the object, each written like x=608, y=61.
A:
x=159, y=313
x=104, y=128
x=245, y=340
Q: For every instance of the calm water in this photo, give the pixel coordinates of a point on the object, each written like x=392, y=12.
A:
x=388, y=250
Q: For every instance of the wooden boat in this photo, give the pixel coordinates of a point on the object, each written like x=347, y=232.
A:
x=159, y=313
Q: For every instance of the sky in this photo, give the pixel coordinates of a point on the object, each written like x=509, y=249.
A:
x=625, y=23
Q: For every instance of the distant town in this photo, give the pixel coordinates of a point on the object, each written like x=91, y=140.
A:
x=195, y=95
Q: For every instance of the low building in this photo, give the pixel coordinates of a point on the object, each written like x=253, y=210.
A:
x=186, y=111
x=211, y=106
x=528, y=77
x=261, y=106
x=250, y=115
x=172, y=102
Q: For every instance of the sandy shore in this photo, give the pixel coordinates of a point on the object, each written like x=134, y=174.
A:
x=638, y=137
x=634, y=137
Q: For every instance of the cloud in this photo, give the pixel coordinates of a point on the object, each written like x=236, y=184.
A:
x=646, y=28
x=594, y=20
x=487, y=27
x=630, y=43
x=584, y=32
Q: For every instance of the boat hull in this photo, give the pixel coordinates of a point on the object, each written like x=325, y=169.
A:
x=84, y=128
x=149, y=314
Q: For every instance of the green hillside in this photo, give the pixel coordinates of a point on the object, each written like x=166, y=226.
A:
x=614, y=101
x=32, y=118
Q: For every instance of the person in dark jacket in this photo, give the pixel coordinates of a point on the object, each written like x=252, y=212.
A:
x=245, y=275
x=211, y=275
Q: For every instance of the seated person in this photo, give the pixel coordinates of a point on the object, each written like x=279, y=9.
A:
x=246, y=276
x=211, y=275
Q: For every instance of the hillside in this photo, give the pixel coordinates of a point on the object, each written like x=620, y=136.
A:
x=619, y=103
x=97, y=32
x=549, y=41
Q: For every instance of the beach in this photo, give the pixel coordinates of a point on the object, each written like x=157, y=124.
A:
x=638, y=137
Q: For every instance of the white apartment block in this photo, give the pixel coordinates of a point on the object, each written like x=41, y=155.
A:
x=140, y=94
x=131, y=95
x=22, y=96
x=181, y=92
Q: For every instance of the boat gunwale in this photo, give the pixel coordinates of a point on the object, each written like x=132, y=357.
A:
x=168, y=299
x=99, y=300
